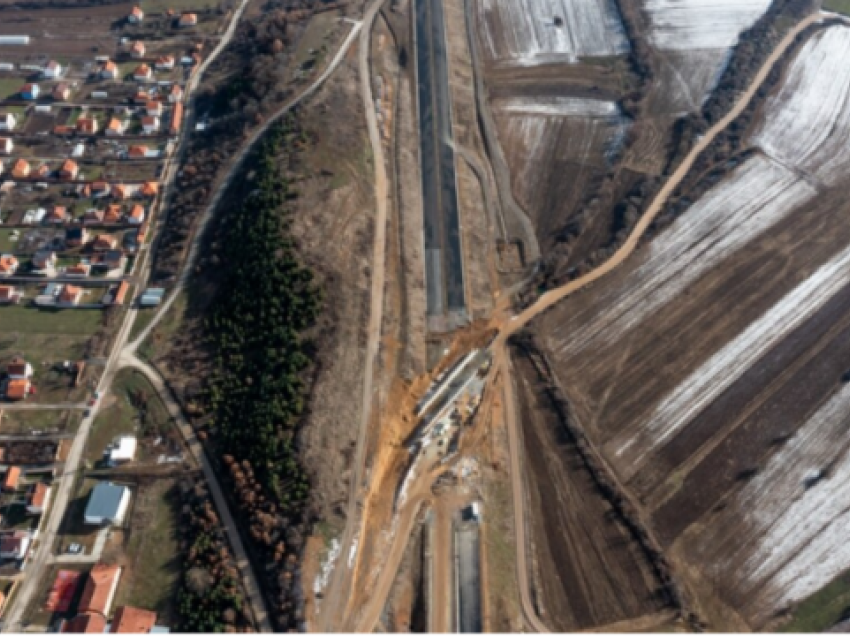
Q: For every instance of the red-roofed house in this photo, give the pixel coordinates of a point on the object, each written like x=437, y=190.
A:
x=115, y=127
x=137, y=215
x=10, y=481
x=69, y=170
x=17, y=389
x=109, y=70
x=142, y=73
x=38, y=499
x=137, y=50
x=21, y=169
x=176, y=93
x=70, y=296
x=10, y=295
x=164, y=63
x=188, y=20
x=105, y=242
x=59, y=214
x=100, y=589
x=8, y=265
x=87, y=125
x=131, y=620
x=149, y=189
x=150, y=125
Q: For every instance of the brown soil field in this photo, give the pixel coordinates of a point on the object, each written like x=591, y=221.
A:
x=590, y=570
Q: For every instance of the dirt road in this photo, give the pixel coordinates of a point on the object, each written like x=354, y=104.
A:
x=337, y=596
x=442, y=584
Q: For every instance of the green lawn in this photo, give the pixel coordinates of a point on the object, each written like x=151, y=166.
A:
x=839, y=6
x=24, y=422
x=73, y=528
x=152, y=573
x=822, y=610
x=7, y=245
x=27, y=319
x=9, y=87
x=158, y=342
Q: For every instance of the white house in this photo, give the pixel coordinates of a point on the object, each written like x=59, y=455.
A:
x=122, y=450
x=150, y=124
x=7, y=121
x=107, y=505
x=53, y=70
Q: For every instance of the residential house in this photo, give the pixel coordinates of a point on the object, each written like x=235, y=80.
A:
x=122, y=450
x=38, y=499
x=17, y=390
x=136, y=215
x=121, y=293
x=102, y=583
x=131, y=241
x=76, y=236
x=109, y=71
x=19, y=369
x=149, y=189
x=8, y=121
x=12, y=478
x=44, y=263
x=132, y=620
x=100, y=189
x=176, y=119
x=53, y=70
x=10, y=295
x=69, y=170
x=165, y=63
x=142, y=98
x=136, y=15
x=150, y=125
x=59, y=214
x=93, y=216
x=137, y=152
x=115, y=127
x=15, y=545
x=80, y=270
x=142, y=73
x=87, y=125
x=61, y=92
x=107, y=504
x=8, y=265
x=42, y=171
x=108, y=261
x=176, y=94
x=121, y=191
x=113, y=214
x=187, y=20
x=29, y=91
x=6, y=145
x=21, y=169
x=137, y=50
x=70, y=296
x=154, y=109
x=105, y=242
x=84, y=624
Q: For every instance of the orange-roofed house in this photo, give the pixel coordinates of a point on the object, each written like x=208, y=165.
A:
x=104, y=242
x=154, y=108
x=17, y=389
x=137, y=152
x=10, y=295
x=69, y=170
x=121, y=293
x=84, y=624
x=164, y=63
x=80, y=270
x=38, y=498
x=136, y=15
x=100, y=589
x=176, y=119
x=59, y=214
x=142, y=73
x=188, y=20
x=70, y=296
x=61, y=92
x=149, y=189
x=10, y=481
x=109, y=70
x=87, y=125
x=8, y=265
x=121, y=191
x=137, y=215
x=131, y=620
x=21, y=169
x=113, y=214
x=176, y=93
x=115, y=127
x=6, y=145
x=137, y=50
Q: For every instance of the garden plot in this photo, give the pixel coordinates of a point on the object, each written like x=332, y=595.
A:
x=533, y=32
x=807, y=122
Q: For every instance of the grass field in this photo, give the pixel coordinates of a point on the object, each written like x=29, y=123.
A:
x=839, y=6
x=151, y=552
x=823, y=610
x=196, y=6
x=73, y=528
x=24, y=422
x=9, y=87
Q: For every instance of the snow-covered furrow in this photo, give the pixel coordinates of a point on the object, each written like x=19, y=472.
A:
x=701, y=24
x=796, y=514
x=754, y=198
x=808, y=121
x=528, y=34
x=728, y=364
x=558, y=106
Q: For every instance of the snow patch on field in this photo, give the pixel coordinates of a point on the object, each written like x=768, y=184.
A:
x=808, y=121
x=701, y=24
x=754, y=198
x=797, y=509
x=728, y=364
x=523, y=32
x=559, y=106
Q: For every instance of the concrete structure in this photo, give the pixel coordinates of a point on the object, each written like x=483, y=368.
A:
x=107, y=505
x=18, y=40
x=122, y=450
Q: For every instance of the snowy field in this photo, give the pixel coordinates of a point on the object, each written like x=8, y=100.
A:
x=523, y=32
x=807, y=123
x=559, y=107
x=754, y=198
x=701, y=24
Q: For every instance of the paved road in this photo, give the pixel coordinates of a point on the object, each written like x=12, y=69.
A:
x=337, y=596
x=34, y=406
